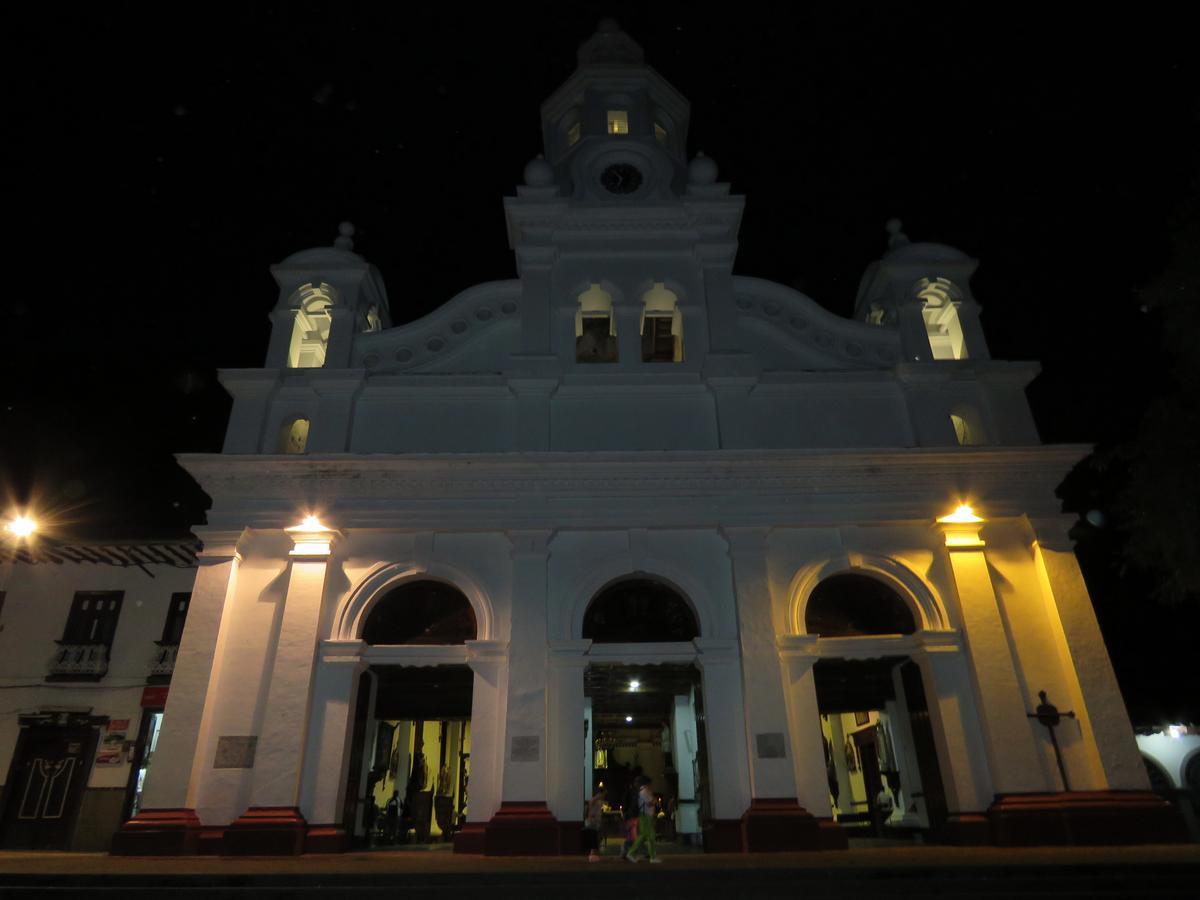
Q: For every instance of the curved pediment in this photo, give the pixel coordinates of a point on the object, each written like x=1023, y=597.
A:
x=786, y=330
x=473, y=332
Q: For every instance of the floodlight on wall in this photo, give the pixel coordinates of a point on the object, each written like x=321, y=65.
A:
x=629, y=718
x=961, y=528
x=311, y=537
x=634, y=685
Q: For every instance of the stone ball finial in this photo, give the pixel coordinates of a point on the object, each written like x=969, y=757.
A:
x=345, y=238
x=538, y=172
x=895, y=230
x=702, y=170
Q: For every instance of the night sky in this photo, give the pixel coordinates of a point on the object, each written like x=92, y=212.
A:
x=165, y=160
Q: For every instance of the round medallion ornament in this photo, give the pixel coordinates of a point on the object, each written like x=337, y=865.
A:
x=621, y=178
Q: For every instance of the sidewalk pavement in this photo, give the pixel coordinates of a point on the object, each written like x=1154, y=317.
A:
x=442, y=862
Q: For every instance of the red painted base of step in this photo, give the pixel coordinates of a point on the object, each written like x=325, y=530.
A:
x=1085, y=818
x=779, y=825
x=158, y=832
x=522, y=829
x=266, y=831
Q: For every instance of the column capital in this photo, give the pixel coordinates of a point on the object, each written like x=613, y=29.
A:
x=342, y=652
x=940, y=642
x=530, y=543
x=961, y=529
x=484, y=653
x=747, y=539
x=569, y=654
x=716, y=651
x=797, y=646
x=1054, y=532
x=219, y=545
x=311, y=540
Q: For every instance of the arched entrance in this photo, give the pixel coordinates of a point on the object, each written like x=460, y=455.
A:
x=880, y=754
x=644, y=706
x=411, y=756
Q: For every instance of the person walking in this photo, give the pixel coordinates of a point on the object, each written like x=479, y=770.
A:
x=629, y=815
x=593, y=822
x=647, y=804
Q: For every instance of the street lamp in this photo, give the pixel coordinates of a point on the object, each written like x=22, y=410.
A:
x=21, y=526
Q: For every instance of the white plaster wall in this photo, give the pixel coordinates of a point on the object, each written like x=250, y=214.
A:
x=1171, y=753
x=35, y=613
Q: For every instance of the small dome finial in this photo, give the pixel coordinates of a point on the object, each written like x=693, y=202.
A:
x=538, y=172
x=610, y=46
x=702, y=169
x=895, y=228
x=345, y=238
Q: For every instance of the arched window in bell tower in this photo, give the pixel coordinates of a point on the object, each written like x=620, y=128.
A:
x=618, y=121
x=293, y=436
x=310, y=333
x=595, y=327
x=662, y=325
x=940, y=298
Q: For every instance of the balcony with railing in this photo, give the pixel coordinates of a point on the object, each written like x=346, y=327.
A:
x=79, y=662
x=162, y=662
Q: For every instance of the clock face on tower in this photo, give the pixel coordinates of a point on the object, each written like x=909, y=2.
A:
x=621, y=178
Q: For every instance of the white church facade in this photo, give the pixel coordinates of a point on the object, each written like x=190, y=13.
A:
x=630, y=513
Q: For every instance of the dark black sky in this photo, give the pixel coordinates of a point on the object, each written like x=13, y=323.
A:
x=165, y=159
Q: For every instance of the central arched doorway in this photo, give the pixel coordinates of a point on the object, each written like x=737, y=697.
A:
x=412, y=735
x=880, y=754
x=644, y=710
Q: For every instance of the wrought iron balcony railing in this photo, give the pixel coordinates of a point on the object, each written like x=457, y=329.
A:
x=163, y=661
x=84, y=660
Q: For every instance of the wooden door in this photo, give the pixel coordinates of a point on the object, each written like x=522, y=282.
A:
x=45, y=786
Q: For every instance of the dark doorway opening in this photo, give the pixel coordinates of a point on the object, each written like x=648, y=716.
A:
x=880, y=757
x=648, y=721
x=44, y=789
x=411, y=755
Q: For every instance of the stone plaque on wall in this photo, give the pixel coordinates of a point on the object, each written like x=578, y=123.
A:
x=235, y=752
x=525, y=748
x=770, y=745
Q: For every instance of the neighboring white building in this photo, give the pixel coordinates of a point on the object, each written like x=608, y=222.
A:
x=629, y=510
x=88, y=636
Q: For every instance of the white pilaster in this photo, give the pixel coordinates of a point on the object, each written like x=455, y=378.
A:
x=525, y=759
x=1103, y=719
x=489, y=661
x=189, y=708
x=728, y=760
x=1012, y=754
x=766, y=720
x=565, y=730
x=330, y=730
x=797, y=656
x=957, y=733
x=279, y=757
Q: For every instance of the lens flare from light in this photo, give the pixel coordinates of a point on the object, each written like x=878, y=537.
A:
x=22, y=526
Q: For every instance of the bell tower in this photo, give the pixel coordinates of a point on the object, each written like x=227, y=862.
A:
x=625, y=249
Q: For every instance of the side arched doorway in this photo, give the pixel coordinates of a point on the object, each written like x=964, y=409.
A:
x=410, y=761
x=644, y=714
x=880, y=752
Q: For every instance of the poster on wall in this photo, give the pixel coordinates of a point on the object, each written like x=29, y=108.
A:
x=111, y=751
